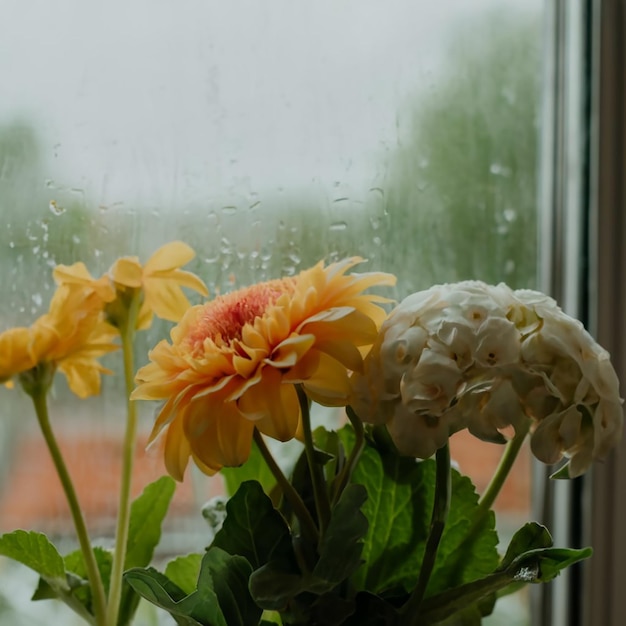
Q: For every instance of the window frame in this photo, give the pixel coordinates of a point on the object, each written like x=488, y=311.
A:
x=603, y=492
x=583, y=265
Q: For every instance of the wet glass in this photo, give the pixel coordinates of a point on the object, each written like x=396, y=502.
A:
x=267, y=136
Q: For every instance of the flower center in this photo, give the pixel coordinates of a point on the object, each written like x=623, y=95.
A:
x=224, y=318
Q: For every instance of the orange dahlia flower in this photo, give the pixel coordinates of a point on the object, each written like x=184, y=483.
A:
x=233, y=363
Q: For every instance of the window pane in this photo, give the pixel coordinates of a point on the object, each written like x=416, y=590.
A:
x=267, y=136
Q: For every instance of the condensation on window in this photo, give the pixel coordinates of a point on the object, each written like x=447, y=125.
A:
x=268, y=136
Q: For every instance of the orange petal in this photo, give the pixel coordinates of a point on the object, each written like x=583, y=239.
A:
x=277, y=406
x=217, y=432
x=177, y=450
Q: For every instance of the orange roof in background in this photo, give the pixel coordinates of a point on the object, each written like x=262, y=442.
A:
x=32, y=496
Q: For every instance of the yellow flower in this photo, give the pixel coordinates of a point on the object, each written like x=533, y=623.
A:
x=79, y=276
x=69, y=337
x=160, y=281
x=233, y=362
x=16, y=354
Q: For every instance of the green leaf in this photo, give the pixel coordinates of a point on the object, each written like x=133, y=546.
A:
x=329, y=442
x=528, y=537
x=543, y=565
x=535, y=566
x=160, y=591
x=183, y=571
x=35, y=550
x=229, y=575
x=372, y=610
x=342, y=544
x=253, y=527
x=562, y=473
x=147, y=513
x=60, y=578
x=459, y=559
x=75, y=565
x=255, y=468
x=400, y=493
x=281, y=583
x=220, y=598
x=399, y=505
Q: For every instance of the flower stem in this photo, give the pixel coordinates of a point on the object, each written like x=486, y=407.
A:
x=441, y=507
x=355, y=454
x=502, y=471
x=38, y=396
x=302, y=513
x=127, y=332
x=322, y=502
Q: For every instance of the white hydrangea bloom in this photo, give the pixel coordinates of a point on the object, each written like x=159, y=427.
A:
x=483, y=357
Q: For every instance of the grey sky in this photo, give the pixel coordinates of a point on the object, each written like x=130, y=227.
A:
x=170, y=102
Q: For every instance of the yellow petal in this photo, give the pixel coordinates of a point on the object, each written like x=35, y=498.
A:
x=165, y=299
x=83, y=377
x=77, y=272
x=183, y=279
x=16, y=352
x=127, y=271
x=170, y=256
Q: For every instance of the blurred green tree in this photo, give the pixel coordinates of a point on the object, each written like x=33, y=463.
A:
x=461, y=189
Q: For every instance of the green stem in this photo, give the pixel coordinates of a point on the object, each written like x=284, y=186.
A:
x=322, y=502
x=495, y=486
x=298, y=506
x=355, y=454
x=93, y=573
x=127, y=332
x=502, y=471
x=441, y=507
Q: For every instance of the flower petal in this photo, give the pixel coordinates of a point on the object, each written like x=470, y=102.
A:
x=170, y=256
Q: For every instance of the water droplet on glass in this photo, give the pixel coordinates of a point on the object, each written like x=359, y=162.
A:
x=229, y=210
x=509, y=266
x=509, y=214
x=37, y=299
x=76, y=239
x=338, y=226
x=499, y=170
x=377, y=241
x=11, y=244
x=55, y=208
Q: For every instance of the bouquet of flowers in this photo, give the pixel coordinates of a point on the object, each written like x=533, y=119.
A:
x=372, y=525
